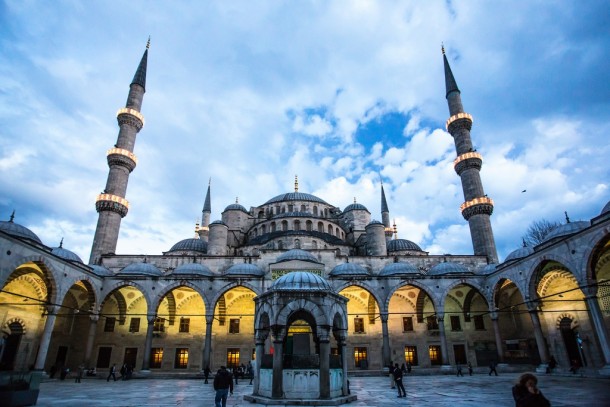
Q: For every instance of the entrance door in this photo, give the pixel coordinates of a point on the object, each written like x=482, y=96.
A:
x=11, y=346
x=569, y=339
x=130, y=356
x=60, y=359
x=459, y=352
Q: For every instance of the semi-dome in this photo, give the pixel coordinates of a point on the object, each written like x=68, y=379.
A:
x=235, y=207
x=566, y=229
x=191, y=245
x=349, y=269
x=297, y=254
x=244, y=269
x=295, y=196
x=300, y=281
x=398, y=269
x=100, y=270
x=66, y=254
x=16, y=230
x=488, y=269
x=448, y=267
x=145, y=269
x=399, y=245
x=193, y=269
x=519, y=253
x=355, y=207
x=606, y=208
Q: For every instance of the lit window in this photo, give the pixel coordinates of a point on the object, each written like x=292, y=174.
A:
x=455, y=323
x=411, y=355
x=109, y=325
x=159, y=325
x=182, y=358
x=233, y=357
x=407, y=324
x=479, y=325
x=360, y=357
x=185, y=324
x=134, y=325
x=234, y=326
x=358, y=325
x=156, y=357
x=435, y=354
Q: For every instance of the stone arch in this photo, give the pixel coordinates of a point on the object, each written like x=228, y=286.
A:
x=39, y=287
x=264, y=316
x=543, y=267
x=497, y=288
x=468, y=299
x=598, y=247
x=574, y=324
x=177, y=284
x=12, y=321
x=89, y=285
x=361, y=284
x=49, y=273
x=122, y=303
x=301, y=304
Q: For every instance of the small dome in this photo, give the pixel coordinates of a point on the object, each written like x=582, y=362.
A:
x=101, y=270
x=66, y=254
x=191, y=245
x=18, y=231
x=297, y=254
x=398, y=269
x=488, y=269
x=145, y=269
x=218, y=222
x=355, y=207
x=447, y=268
x=235, y=207
x=295, y=196
x=519, y=253
x=374, y=222
x=244, y=269
x=300, y=281
x=399, y=245
x=606, y=208
x=349, y=269
x=566, y=229
x=193, y=269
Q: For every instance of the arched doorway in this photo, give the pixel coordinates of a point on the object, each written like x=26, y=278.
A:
x=570, y=340
x=10, y=346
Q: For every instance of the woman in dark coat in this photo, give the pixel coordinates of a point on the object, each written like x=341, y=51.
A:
x=526, y=394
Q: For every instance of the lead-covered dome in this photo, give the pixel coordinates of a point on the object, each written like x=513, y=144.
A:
x=295, y=196
x=355, y=207
x=143, y=269
x=488, y=269
x=300, y=281
x=297, y=254
x=519, y=253
x=235, y=207
x=398, y=269
x=566, y=229
x=448, y=267
x=605, y=209
x=101, y=270
x=399, y=245
x=193, y=269
x=244, y=269
x=349, y=269
x=66, y=254
x=190, y=245
x=18, y=231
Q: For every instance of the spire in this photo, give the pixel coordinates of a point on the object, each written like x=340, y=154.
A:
x=395, y=230
x=140, y=77
x=567, y=217
x=384, y=203
x=61, y=244
x=12, y=216
x=450, y=84
x=207, y=206
x=296, y=183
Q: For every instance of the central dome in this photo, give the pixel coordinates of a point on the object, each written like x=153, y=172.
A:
x=296, y=254
x=295, y=196
x=300, y=281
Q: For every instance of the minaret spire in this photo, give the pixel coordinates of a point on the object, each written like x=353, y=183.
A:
x=111, y=203
x=477, y=207
x=385, y=215
x=205, y=215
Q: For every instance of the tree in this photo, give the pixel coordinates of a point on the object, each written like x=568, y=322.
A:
x=538, y=230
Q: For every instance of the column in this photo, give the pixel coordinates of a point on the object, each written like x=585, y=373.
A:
x=148, y=343
x=324, y=340
x=261, y=336
x=441, y=330
x=343, y=354
x=385, y=346
x=46, y=337
x=207, y=345
x=542, y=351
x=90, y=338
x=277, y=388
x=496, y=325
x=600, y=330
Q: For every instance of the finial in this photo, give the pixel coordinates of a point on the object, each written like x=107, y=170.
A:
x=524, y=242
x=567, y=217
x=148, y=43
x=210, y=182
x=354, y=199
x=196, y=229
x=61, y=244
x=443, y=48
x=236, y=199
x=296, y=183
x=395, y=230
x=12, y=216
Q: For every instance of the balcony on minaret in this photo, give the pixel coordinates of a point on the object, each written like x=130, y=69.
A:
x=113, y=203
x=477, y=206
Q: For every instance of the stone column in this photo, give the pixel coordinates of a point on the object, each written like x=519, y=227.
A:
x=148, y=343
x=90, y=338
x=600, y=330
x=542, y=350
x=342, y=352
x=261, y=336
x=496, y=325
x=441, y=330
x=385, y=346
x=324, y=340
x=46, y=337
x=207, y=344
x=277, y=388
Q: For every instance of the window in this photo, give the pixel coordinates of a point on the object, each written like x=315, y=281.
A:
x=411, y=355
x=297, y=225
x=303, y=209
x=103, y=357
x=309, y=226
x=320, y=227
x=315, y=211
x=272, y=227
x=232, y=357
x=479, y=325
x=360, y=357
x=234, y=326
x=182, y=358
x=290, y=208
x=284, y=225
x=455, y=323
x=407, y=324
x=459, y=352
x=159, y=325
x=432, y=323
x=134, y=325
x=359, y=325
x=185, y=324
x=435, y=355
x=334, y=351
x=156, y=357
x=109, y=324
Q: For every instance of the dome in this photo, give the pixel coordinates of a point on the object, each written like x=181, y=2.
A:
x=295, y=196
x=399, y=245
x=519, y=253
x=146, y=269
x=191, y=245
x=606, y=208
x=297, y=254
x=566, y=229
x=349, y=269
x=101, y=270
x=488, y=269
x=244, y=269
x=355, y=207
x=16, y=230
x=447, y=268
x=300, y=281
x=235, y=207
x=375, y=222
x=218, y=222
x=194, y=269
x=66, y=254
x=398, y=269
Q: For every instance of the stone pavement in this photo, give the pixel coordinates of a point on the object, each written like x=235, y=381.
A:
x=442, y=390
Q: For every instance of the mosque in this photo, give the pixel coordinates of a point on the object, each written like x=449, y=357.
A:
x=297, y=282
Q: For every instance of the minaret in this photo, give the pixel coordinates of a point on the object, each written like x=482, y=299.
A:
x=111, y=204
x=204, y=230
x=385, y=215
x=477, y=207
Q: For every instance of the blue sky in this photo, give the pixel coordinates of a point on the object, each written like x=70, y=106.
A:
x=251, y=93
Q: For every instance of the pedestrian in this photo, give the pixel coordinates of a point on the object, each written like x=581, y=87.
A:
x=64, y=372
x=236, y=374
x=409, y=367
x=459, y=370
x=526, y=394
x=123, y=371
x=398, y=379
x=250, y=371
x=492, y=368
x=404, y=369
x=112, y=373
x=552, y=364
x=128, y=371
x=79, y=373
x=223, y=384
x=392, y=381
x=469, y=369
x=206, y=374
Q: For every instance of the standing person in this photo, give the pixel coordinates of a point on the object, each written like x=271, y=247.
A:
x=112, y=373
x=392, y=381
x=409, y=367
x=469, y=369
x=526, y=394
x=206, y=374
x=79, y=373
x=492, y=368
x=552, y=364
x=223, y=384
x=236, y=374
x=123, y=371
x=404, y=369
x=398, y=379
x=250, y=371
x=459, y=370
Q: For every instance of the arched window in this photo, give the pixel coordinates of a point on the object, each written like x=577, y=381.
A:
x=297, y=225
x=272, y=227
x=337, y=232
x=284, y=225
x=314, y=244
x=303, y=208
x=283, y=209
x=297, y=244
x=290, y=208
x=261, y=215
x=315, y=210
x=330, y=229
x=320, y=227
x=263, y=229
x=309, y=226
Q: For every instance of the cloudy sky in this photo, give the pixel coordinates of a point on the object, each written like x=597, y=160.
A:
x=342, y=93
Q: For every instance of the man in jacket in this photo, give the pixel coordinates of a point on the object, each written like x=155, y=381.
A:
x=223, y=384
x=398, y=379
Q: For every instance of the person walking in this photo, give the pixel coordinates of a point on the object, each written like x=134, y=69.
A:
x=492, y=368
x=398, y=379
x=459, y=370
x=526, y=393
x=79, y=373
x=223, y=384
x=250, y=371
x=206, y=374
x=409, y=367
x=112, y=373
x=469, y=369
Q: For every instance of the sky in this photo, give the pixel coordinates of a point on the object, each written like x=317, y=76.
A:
x=343, y=94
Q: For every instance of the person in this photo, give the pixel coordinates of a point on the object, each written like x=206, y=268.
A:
x=404, y=369
x=79, y=373
x=91, y=371
x=250, y=371
x=574, y=366
x=392, y=381
x=469, y=369
x=552, y=364
x=235, y=373
x=223, y=384
x=206, y=374
x=459, y=370
x=112, y=373
x=526, y=394
x=492, y=368
x=409, y=367
x=64, y=372
x=123, y=371
x=128, y=371
x=398, y=379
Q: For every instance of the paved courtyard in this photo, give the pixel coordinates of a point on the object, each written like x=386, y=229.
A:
x=478, y=390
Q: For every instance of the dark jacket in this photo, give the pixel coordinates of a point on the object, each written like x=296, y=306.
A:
x=397, y=373
x=223, y=380
x=523, y=398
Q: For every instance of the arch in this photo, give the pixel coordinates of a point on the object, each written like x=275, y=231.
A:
x=10, y=323
x=561, y=321
x=177, y=284
x=308, y=226
x=315, y=210
x=89, y=286
x=122, y=302
x=297, y=224
x=541, y=277
x=360, y=284
x=468, y=299
x=284, y=225
x=301, y=304
x=272, y=227
x=46, y=271
x=598, y=247
x=320, y=227
x=264, y=316
x=220, y=292
x=330, y=229
x=297, y=243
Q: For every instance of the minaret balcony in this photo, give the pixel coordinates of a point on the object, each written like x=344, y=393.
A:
x=459, y=121
x=477, y=206
x=468, y=160
x=113, y=203
x=131, y=117
x=120, y=156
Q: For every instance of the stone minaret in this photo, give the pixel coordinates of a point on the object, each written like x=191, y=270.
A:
x=111, y=204
x=204, y=230
x=477, y=207
x=385, y=215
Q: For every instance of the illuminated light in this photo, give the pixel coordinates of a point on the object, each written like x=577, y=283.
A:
x=466, y=156
x=132, y=112
x=121, y=151
x=458, y=117
x=204, y=228
x=112, y=198
x=477, y=201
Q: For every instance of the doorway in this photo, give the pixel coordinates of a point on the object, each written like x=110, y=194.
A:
x=11, y=346
x=569, y=336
